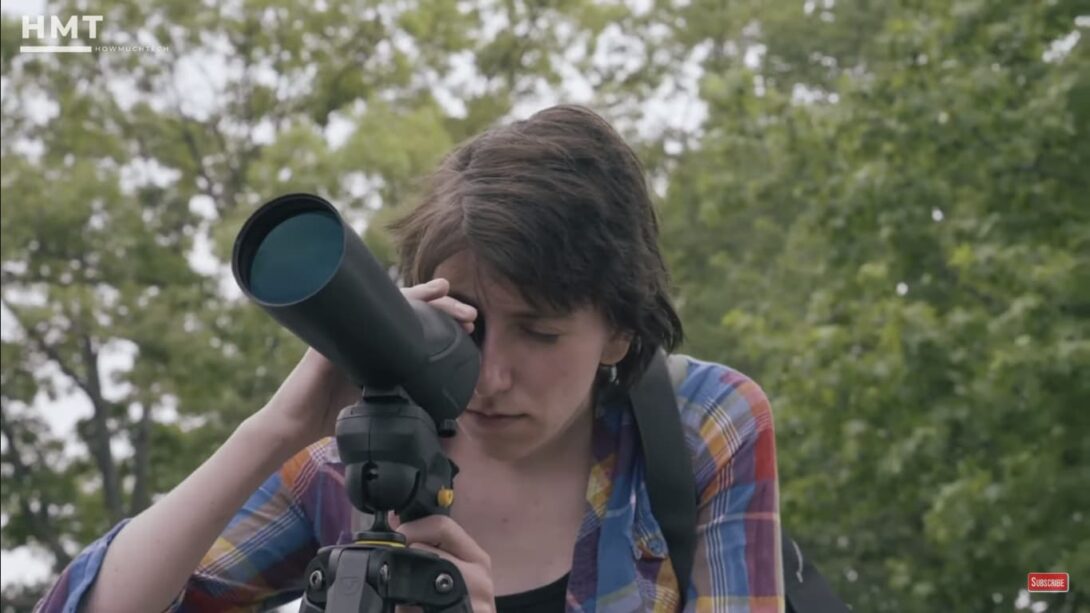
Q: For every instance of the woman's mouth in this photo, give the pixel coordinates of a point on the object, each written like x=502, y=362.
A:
x=493, y=420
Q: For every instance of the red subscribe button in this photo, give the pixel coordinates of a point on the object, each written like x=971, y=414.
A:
x=1047, y=582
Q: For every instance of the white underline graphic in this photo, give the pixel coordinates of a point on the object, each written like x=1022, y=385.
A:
x=53, y=49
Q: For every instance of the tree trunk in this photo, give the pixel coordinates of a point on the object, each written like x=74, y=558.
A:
x=98, y=437
x=141, y=462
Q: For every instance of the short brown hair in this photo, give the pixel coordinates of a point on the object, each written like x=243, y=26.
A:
x=558, y=206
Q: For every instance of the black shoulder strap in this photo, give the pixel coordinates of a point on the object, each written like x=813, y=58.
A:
x=806, y=591
x=672, y=490
x=670, y=482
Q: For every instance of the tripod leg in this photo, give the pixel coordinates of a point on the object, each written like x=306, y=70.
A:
x=350, y=592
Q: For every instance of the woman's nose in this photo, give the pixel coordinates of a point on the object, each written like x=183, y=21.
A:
x=495, y=374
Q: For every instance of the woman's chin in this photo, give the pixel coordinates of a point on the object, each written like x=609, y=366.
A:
x=497, y=446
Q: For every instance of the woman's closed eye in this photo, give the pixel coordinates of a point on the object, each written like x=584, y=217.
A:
x=541, y=335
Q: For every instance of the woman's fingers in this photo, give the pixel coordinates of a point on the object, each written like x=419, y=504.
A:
x=476, y=577
x=472, y=574
x=442, y=532
x=434, y=292
x=442, y=536
x=428, y=291
x=458, y=310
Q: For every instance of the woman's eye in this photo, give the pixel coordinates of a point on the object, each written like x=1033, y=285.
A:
x=544, y=337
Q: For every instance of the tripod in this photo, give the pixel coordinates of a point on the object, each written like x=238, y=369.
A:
x=393, y=462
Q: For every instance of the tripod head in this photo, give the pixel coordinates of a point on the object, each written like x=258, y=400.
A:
x=297, y=259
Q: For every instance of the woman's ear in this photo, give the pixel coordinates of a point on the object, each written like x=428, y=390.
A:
x=616, y=348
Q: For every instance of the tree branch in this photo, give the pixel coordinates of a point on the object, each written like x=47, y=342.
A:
x=38, y=520
x=98, y=440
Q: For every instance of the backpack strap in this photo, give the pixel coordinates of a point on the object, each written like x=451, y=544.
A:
x=672, y=490
x=671, y=486
x=805, y=590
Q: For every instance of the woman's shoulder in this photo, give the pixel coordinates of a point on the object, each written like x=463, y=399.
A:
x=722, y=410
x=300, y=471
x=320, y=453
x=702, y=386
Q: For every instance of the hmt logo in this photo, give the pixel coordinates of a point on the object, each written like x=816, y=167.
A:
x=59, y=28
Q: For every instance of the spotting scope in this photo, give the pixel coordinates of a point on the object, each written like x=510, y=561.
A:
x=299, y=260
x=417, y=369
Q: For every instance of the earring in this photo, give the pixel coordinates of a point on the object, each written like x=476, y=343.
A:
x=611, y=374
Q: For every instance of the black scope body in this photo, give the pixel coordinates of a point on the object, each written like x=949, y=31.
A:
x=298, y=259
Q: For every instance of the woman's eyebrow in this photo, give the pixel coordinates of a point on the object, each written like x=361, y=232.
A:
x=528, y=314
x=534, y=315
x=531, y=313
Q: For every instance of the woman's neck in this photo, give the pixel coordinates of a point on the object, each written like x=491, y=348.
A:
x=568, y=451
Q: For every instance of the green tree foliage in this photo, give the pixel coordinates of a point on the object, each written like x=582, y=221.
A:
x=881, y=217
x=886, y=222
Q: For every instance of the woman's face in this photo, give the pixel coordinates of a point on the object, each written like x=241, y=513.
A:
x=537, y=369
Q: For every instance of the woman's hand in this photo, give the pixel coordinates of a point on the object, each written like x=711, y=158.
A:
x=305, y=407
x=443, y=536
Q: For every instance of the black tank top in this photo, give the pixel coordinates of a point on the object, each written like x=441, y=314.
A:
x=545, y=599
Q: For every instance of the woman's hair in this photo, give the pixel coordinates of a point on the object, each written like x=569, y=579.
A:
x=558, y=206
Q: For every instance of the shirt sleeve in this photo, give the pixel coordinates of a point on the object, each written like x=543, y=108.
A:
x=737, y=565
x=257, y=562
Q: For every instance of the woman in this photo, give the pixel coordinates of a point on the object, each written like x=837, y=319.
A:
x=540, y=238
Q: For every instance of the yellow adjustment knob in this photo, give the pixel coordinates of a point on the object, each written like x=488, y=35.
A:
x=445, y=498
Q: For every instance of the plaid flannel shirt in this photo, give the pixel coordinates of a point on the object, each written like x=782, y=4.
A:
x=620, y=563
